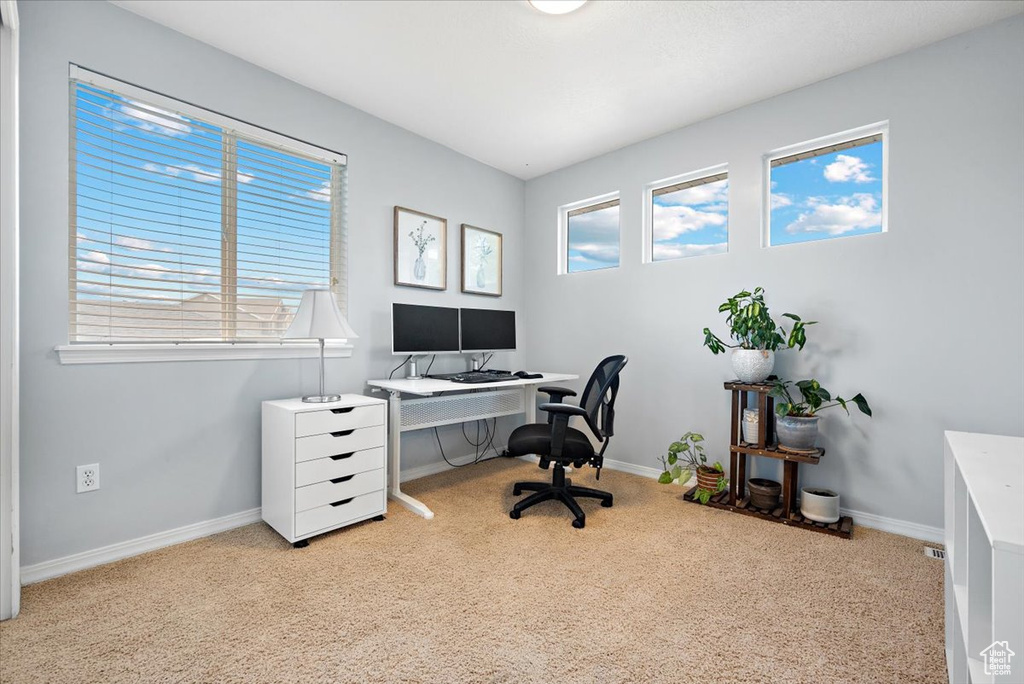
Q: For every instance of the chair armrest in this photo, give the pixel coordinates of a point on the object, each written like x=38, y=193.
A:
x=567, y=409
x=560, y=413
x=557, y=393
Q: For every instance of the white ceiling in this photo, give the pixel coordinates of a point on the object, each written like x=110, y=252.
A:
x=529, y=93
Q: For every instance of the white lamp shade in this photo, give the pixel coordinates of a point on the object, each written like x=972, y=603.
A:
x=319, y=318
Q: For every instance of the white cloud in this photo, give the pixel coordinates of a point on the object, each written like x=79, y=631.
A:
x=150, y=118
x=321, y=194
x=605, y=253
x=846, y=168
x=195, y=172
x=856, y=212
x=672, y=221
x=780, y=200
x=94, y=262
x=134, y=243
x=677, y=251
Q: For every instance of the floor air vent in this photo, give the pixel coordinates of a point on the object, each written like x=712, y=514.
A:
x=934, y=553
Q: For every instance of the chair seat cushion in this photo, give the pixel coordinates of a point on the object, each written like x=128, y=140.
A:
x=536, y=439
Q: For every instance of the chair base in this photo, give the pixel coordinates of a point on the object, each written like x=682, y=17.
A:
x=561, y=489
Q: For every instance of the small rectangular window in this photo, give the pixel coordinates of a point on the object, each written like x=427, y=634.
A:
x=689, y=216
x=830, y=188
x=592, y=236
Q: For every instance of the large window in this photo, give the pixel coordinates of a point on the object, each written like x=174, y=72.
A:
x=688, y=216
x=828, y=189
x=187, y=226
x=591, y=236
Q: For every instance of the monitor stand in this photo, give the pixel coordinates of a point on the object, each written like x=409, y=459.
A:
x=413, y=373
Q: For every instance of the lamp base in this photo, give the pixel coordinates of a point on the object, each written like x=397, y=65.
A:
x=321, y=399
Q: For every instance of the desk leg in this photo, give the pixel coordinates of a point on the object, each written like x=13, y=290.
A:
x=395, y=460
x=530, y=403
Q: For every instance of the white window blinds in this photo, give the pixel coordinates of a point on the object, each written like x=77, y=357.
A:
x=186, y=226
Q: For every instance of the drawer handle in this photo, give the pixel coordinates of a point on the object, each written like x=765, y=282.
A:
x=342, y=502
x=342, y=433
x=338, y=457
x=345, y=409
x=342, y=479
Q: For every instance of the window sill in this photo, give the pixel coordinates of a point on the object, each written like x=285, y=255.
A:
x=74, y=354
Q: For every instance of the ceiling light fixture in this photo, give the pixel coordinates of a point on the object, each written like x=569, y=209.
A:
x=557, y=6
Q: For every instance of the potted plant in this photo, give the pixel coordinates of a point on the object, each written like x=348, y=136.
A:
x=756, y=334
x=686, y=457
x=796, y=424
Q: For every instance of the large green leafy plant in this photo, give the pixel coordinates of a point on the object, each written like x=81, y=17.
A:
x=813, y=399
x=684, y=458
x=751, y=325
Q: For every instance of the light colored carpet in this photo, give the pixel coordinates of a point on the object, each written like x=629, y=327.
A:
x=653, y=590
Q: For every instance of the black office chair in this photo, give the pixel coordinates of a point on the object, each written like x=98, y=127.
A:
x=556, y=442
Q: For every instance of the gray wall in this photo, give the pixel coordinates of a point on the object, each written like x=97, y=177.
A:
x=926, y=320
x=178, y=443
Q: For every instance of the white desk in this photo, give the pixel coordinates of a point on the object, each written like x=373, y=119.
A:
x=443, y=402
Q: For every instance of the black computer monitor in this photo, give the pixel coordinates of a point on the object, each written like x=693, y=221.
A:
x=486, y=330
x=424, y=329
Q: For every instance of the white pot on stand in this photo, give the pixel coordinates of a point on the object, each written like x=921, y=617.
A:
x=820, y=505
x=753, y=365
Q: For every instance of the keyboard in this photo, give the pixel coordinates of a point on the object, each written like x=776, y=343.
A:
x=475, y=377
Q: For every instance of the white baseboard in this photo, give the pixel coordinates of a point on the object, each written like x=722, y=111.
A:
x=30, y=574
x=875, y=522
x=901, y=527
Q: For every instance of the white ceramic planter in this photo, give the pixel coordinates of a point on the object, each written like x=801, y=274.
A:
x=797, y=432
x=752, y=365
x=819, y=505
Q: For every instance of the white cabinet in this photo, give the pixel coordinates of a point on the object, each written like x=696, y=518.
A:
x=984, y=535
x=323, y=464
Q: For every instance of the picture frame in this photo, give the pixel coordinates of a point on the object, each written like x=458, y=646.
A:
x=421, y=249
x=482, y=261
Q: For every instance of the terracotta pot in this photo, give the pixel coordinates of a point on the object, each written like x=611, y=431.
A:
x=707, y=478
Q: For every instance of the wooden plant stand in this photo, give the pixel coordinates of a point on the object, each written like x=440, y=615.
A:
x=735, y=499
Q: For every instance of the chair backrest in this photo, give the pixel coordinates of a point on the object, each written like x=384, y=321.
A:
x=598, y=398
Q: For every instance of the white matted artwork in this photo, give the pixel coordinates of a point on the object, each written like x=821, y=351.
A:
x=481, y=261
x=420, y=249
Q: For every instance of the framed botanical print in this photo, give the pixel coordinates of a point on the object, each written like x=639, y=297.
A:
x=481, y=261
x=420, y=249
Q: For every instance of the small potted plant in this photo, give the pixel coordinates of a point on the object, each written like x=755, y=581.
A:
x=796, y=424
x=756, y=334
x=686, y=457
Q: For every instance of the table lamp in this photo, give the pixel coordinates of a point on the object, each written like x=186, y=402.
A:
x=319, y=318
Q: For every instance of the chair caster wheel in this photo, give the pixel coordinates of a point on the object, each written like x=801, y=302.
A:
x=607, y=504
x=301, y=544
x=516, y=491
x=514, y=514
x=378, y=518
x=578, y=524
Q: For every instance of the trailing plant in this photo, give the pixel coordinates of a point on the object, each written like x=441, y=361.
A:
x=686, y=457
x=752, y=326
x=813, y=399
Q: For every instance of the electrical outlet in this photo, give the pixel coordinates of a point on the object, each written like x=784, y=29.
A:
x=88, y=477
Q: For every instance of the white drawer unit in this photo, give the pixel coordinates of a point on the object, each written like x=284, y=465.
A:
x=323, y=465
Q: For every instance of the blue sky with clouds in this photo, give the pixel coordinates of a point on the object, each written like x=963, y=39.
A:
x=149, y=208
x=834, y=195
x=691, y=222
x=593, y=240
